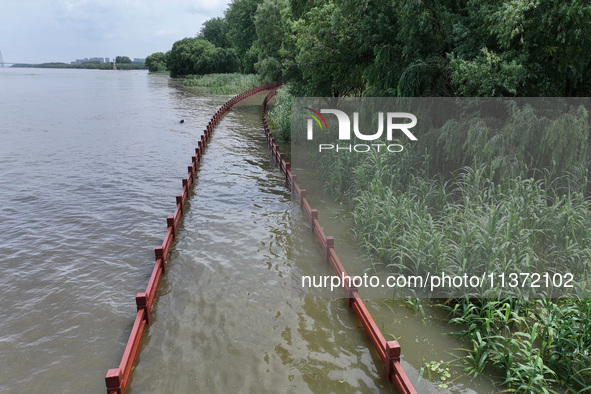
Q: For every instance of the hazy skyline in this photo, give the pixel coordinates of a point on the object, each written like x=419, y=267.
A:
x=39, y=31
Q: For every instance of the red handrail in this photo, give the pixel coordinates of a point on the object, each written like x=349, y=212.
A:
x=389, y=352
x=117, y=379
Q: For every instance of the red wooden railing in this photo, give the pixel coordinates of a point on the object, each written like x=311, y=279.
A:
x=389, y=351
x=117, y=379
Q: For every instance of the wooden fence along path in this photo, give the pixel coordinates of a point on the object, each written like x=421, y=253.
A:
x=117, y=379
x=389, y=351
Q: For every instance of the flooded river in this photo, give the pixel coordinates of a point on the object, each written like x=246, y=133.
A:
x=90, y=162
x=226, y=320
x=89, y=167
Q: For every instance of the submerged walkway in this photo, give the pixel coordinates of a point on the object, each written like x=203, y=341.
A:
x=227, y=316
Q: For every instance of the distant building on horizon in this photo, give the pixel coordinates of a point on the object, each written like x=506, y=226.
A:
x=138, y=60
x=92, y=59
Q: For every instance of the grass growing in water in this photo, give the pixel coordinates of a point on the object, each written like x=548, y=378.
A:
x=280, y=115
x=415, y=225
x=484, y=218
x=224, y=83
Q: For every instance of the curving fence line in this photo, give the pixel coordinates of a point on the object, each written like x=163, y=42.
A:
x=389, y=351
x=117, y=379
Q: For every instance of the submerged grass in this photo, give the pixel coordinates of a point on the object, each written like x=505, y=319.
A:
x=470, y=225
x=473, y=226
x=473, y=221
x=280, y=115
x=223, y=83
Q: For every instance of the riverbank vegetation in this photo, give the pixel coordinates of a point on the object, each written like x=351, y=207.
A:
x=403, y=48
x=479, y=197
x=411, y=222
x=224, y=83
x=87, y=65
x=122, y=62
x=499, y=197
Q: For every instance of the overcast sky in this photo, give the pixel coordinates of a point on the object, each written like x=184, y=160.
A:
x=37, y=31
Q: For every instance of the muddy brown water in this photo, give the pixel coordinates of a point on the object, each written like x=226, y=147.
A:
x=90, y=162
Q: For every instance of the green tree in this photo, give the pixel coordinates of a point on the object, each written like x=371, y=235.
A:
x=273, y=26
x=452, y=47
x=179, y=61
x=549, y=39
x=410, y=42
x=300, y=7
x=199, y=56
x=156, y=62
x=223, y=60
x=214, y=31
x=242, y=32
x=331, y=52
x=122, y=59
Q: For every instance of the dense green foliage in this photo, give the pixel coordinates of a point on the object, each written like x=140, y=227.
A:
x=122, y=60
x=426, y=48
x=408, y=47
x=223, y=45
x=156, y=62
x=198, y=56
x=280, y=115
x=535, y=343
x=241, y=31
x=271, y=23
x=87, y=65
x=214, y=30
x=529, y=142
x=130, y=66
x=224, y=83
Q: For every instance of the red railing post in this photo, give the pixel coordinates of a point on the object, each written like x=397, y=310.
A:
x=392, y=356
x=170, y=224
x=141, y=302
x=179, y=202
x=313, y=218
x=329, y=246
x=159, y=254
x=113, y=381
x=352, y=294
x=287, y=170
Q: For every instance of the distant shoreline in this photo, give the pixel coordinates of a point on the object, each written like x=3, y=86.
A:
x=89, y=65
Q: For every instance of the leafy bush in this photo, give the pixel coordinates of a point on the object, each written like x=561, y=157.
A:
x=156, y=62
x=199, y=56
